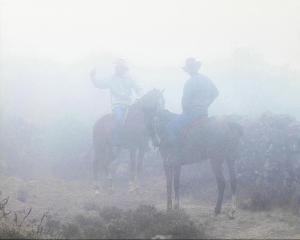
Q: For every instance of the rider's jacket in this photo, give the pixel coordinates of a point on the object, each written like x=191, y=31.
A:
x=198, y=93
x=121, y=89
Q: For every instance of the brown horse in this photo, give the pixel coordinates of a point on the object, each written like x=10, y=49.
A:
x=138, y=129
x=214, y=139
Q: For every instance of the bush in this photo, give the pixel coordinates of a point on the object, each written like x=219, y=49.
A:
x=268, y=165
x=144, y=222
x=15, y=225
x=13, y=232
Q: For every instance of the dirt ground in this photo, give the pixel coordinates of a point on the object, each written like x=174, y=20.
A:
x=65, y=199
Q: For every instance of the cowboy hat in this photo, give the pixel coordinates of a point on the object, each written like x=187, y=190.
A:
x=191, y=64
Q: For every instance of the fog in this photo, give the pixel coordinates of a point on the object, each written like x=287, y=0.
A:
x=250, y=49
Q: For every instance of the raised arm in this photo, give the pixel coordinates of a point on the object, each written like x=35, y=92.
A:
x=98, y=84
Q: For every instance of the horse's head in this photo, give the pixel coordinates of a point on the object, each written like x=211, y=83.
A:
x=152, y=104
x=153, y=101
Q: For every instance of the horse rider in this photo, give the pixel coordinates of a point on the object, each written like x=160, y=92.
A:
x=122, y=87
x=198, y=94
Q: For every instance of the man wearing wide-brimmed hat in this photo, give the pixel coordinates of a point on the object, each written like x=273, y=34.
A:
x=198, y=94
x=122, y=87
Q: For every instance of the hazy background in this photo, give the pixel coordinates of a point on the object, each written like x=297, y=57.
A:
x=250, y=49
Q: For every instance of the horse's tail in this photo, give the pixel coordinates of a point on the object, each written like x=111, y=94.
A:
x=236, y=134
x=101, y=146
x=233, y=153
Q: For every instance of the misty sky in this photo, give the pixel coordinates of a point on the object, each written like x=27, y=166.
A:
x=47, y=48
x=150, y=32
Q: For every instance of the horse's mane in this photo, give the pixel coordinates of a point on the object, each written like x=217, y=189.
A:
x=147, y=101
x=147, y=96
x=167, y=115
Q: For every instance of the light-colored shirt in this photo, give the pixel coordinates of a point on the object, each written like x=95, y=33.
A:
x=122, y=89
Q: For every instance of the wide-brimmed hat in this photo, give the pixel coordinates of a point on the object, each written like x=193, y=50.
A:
x=191, y=64
x=121, y=62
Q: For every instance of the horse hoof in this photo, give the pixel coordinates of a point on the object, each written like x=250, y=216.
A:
x=138, y=191
x=96, y=189
x=162, y=237
x=110, y=191
x=133, y=188
x=217, y=212
x=231, y=214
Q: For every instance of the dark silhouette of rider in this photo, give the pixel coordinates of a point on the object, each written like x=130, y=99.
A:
x=198, y=94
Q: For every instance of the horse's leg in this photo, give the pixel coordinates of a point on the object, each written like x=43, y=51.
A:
x=101, y=169
x=108, y=158
x=233, y=184
x=177, y=171
x=140, y=163
x=169, y=181
x=217, y=168
x=100, y=165
x=132, y=170
x=96, y=163
x=96, y=168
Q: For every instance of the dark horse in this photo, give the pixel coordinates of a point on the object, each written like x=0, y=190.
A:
x=138, y=129
x=216, y=139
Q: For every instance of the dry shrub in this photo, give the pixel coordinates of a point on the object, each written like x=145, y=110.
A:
x=144, y=222
x=269, y=164
x=18, y=225
x=9, y=231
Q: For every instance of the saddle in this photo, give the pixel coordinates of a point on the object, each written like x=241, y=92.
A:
x=185, y=137
x=197, y=123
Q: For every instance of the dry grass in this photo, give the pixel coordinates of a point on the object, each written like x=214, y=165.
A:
x=108, y=223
